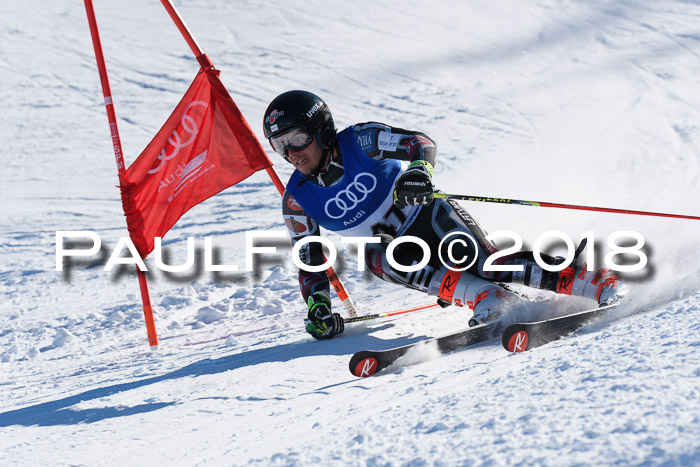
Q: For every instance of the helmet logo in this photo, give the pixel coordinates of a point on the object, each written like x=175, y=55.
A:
x=274, y=115
x=313, y=109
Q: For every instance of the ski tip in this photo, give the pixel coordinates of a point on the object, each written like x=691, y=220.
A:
x=517, y=342
x=366, y=367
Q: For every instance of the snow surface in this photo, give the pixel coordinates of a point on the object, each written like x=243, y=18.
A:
x=584, y=102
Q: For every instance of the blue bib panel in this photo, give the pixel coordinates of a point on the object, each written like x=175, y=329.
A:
x=364, y=190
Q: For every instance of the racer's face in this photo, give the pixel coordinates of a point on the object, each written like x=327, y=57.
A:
x=306, y=160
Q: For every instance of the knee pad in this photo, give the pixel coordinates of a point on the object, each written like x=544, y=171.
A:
x=375, y=257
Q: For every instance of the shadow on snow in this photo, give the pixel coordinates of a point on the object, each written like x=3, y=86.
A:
x=61, y=412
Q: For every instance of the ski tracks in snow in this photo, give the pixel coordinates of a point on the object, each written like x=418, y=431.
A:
x=591, y=103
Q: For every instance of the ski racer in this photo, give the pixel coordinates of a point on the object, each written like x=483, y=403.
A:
x=375, y=180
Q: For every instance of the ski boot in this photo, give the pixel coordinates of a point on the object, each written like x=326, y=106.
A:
x=488, y=305
x=604, y=286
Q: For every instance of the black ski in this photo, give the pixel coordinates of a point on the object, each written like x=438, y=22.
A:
x=367, y=362
x=519, y=337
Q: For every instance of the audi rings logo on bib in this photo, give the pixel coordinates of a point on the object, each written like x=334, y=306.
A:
x=347, y=199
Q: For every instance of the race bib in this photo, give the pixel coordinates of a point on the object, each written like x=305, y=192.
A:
x=388, y=141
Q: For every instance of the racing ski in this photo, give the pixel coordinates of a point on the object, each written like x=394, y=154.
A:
x=519, y=337
x=367, y=362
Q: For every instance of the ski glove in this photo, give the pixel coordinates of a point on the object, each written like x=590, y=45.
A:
x=321, y=323
x=415, y=185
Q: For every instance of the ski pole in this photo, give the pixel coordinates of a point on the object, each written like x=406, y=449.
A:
x=559, y=205
x=391, y=313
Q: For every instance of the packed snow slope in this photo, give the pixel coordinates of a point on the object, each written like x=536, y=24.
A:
x=582, y=102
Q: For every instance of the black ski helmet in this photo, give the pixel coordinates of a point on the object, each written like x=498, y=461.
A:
x=300, y=109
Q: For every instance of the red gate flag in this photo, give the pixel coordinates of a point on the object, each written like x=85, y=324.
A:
x=204, y=147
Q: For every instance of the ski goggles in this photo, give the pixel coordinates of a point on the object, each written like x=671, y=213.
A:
x=297, y=138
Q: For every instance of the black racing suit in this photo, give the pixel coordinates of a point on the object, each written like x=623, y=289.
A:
x=442, y=218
